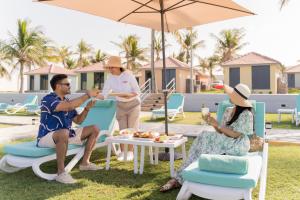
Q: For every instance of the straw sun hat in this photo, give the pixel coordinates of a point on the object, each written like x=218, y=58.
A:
x=114, y=61
x=239, y=95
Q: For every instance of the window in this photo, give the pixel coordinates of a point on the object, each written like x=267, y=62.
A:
x=44, y=82
x=31, y=83
x=99, y=80
x=261, y=77
x=234, y=76
x=83, y=80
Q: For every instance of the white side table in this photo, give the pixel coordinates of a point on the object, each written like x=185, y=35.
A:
x=171, y=144
x=285, y=111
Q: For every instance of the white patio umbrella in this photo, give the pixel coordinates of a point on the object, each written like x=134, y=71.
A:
x=162, y=15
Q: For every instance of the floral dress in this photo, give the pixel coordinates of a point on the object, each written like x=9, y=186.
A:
x=212, y=142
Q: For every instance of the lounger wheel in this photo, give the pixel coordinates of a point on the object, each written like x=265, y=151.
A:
x=4, y=166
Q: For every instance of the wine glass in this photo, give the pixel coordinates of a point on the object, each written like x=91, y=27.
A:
x=204, y=112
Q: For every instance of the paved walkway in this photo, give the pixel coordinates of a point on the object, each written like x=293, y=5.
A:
x=25, y=129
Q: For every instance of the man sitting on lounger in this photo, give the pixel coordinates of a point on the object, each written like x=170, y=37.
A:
x=57, y=114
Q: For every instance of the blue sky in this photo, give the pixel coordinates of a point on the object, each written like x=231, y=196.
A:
x=271, y=32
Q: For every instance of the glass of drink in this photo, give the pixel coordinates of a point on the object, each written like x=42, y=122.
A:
x=204, y=112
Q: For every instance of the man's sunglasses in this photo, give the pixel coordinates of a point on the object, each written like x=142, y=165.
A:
x=66, y=84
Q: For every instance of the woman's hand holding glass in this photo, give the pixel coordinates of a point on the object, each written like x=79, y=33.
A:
x=213, y=122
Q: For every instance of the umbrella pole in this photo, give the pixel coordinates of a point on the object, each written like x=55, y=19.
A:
x=165, y=156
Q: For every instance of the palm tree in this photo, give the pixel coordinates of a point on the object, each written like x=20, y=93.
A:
x=158, y=46
x=179, y=56
x=82, y=50
x=283, y=3
x=29, y=47
x=132, y=52
x=188, y=41
x=70, y=63
x=64, y=54
x=99, y=57
x=208, y=64
x=229, y=42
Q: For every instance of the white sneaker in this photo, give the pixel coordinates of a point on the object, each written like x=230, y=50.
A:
x=129, y=156
x=65, y=178
x=121, y=156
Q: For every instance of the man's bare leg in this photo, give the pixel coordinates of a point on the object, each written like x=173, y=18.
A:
x=90, y=133
x=60, y=138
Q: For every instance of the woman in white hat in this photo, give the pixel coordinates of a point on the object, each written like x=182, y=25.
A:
x=124, y=86
x=230, y=136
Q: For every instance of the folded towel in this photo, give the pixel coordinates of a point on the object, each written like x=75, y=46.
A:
x=223, y=163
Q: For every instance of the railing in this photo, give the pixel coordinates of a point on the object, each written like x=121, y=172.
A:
x=171, y=86
x=145, y=89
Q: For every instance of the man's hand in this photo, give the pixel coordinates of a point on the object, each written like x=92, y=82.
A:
x=90, y=104
x=93, y=92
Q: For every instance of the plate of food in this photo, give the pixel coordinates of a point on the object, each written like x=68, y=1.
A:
x=145, y=135
x=126, y=133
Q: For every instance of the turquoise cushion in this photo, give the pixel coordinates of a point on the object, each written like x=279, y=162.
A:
x=29, y=149
x=223, y=163
x=249, y=180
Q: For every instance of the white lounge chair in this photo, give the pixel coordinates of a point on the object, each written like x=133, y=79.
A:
x=31, y=100
x=225, y=186
x=27, y=154
x=175, y=106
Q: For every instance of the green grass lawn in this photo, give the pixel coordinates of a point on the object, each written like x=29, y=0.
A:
x=294, y=91
x=18, y=114
x=120, y=182
x=194, y=118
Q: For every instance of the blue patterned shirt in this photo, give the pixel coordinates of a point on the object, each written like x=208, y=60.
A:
x=52, y=120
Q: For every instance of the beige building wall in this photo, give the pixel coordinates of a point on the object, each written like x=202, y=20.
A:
x=297, y=80
x=246, y=77
x=181, y=76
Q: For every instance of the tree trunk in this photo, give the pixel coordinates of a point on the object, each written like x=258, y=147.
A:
x=21, y=79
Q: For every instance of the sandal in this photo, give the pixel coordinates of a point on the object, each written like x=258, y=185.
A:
x=171, y=184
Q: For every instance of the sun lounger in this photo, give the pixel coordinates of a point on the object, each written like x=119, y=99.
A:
x=228, y=186
x=27, y=154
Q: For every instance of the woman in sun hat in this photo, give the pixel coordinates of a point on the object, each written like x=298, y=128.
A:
x=122, y=84
x=230, y=136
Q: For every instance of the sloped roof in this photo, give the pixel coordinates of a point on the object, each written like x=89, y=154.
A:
x=97, y=67
x=170, y=63
x=51, y=69
x=173, y=63
x=293, y=69
x=251, y=58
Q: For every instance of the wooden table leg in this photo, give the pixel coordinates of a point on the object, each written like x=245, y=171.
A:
x=151, y=154
x=135, y=159
x=125, y=151
x=108, y=155
x=156, y=155
x=142, y=159
x=172, y=162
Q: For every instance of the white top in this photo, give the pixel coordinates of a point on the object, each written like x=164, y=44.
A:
x=125, y=82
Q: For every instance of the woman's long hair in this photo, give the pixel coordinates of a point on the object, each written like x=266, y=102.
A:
x=238, y=111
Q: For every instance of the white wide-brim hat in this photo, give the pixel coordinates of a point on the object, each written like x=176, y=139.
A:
x=239, y=95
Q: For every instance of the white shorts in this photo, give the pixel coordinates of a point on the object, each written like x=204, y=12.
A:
x=47, y=140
